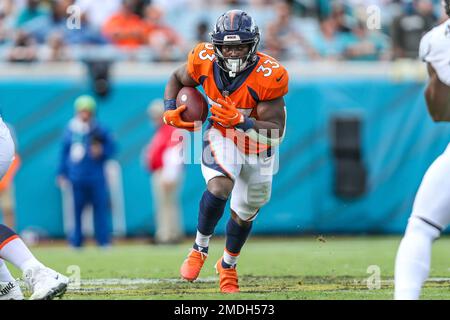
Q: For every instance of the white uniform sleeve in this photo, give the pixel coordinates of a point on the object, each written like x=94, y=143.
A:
x=425, y=46
x=172, y=164
x=435, y=49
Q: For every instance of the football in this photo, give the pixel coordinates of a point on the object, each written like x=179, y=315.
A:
x=197, y=106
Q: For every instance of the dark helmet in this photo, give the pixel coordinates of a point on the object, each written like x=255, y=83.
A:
x=235, y=27
x=447, y=7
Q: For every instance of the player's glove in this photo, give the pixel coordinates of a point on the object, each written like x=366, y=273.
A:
x=229, y=116
x=173, y=118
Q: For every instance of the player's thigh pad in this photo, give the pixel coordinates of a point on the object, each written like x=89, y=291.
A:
x=220, y=156
x=432, y=202
x=6, y=149
x=253, y=187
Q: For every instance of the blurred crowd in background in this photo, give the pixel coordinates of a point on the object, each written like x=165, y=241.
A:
x=165, y=30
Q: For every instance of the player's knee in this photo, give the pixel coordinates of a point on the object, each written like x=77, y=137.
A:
x=239, y=221
x=221, y=187
x=417, y=226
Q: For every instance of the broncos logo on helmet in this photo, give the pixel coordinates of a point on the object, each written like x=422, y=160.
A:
x=235, y=27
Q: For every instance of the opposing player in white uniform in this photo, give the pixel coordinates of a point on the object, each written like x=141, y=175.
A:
x=431, y=209
x=42, y=281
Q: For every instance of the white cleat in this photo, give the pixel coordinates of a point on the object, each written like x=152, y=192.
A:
x=10, y=291
x=45, y=283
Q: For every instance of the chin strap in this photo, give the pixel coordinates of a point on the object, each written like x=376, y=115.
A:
x=235, y=66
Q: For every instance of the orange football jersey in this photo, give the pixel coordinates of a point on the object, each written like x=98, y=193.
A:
x=266, y=80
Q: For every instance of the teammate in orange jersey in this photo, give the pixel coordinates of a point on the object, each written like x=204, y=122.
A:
x=245, y=89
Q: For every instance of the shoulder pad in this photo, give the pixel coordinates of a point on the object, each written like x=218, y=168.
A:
x=200, y=59
x=273, y=78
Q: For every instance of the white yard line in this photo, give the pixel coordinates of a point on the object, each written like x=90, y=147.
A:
x=140, y=281
x=118, y=281
x=104, y=285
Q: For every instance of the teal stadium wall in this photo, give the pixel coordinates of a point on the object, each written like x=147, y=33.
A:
x=399, y=142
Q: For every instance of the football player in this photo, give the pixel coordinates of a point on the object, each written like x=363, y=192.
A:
x=245, y=89
x=431, y=209
x=42, y=281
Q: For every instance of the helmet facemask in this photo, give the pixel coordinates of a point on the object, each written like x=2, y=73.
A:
x=235, y=65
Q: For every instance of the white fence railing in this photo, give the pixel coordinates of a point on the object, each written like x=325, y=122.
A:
x=398, y=70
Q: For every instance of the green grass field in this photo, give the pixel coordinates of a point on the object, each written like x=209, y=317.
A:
x=278, y=268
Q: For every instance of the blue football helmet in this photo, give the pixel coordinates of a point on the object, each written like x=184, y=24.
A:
x=235, y=27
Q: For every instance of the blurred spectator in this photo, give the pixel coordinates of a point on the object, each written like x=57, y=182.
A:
x=324, y=8
x=86, y=147
x=8, y=9
x=329, y=43
x=126, y=29
x=24, y=48
x=169, y=25
x=343, y=17
x=45, y=25
x=175, y=5
x=235, y=3
x=202, y=34
x=96, y=13
x=45, y=28
x=32, y=11
x=7, y=6
x=408, y=29
x=140, y=6
x=7, y=192
x=55, y=50
x=163, y=39
x=165, y=162
x=282, y=35
x=4, y=32
x=366, y=45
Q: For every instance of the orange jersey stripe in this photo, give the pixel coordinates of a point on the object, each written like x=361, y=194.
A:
x=217, y=161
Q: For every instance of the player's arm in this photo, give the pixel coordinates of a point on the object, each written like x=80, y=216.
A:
x=437, y=96
x=271, y=118
x=269, y=128
x=179, y=78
